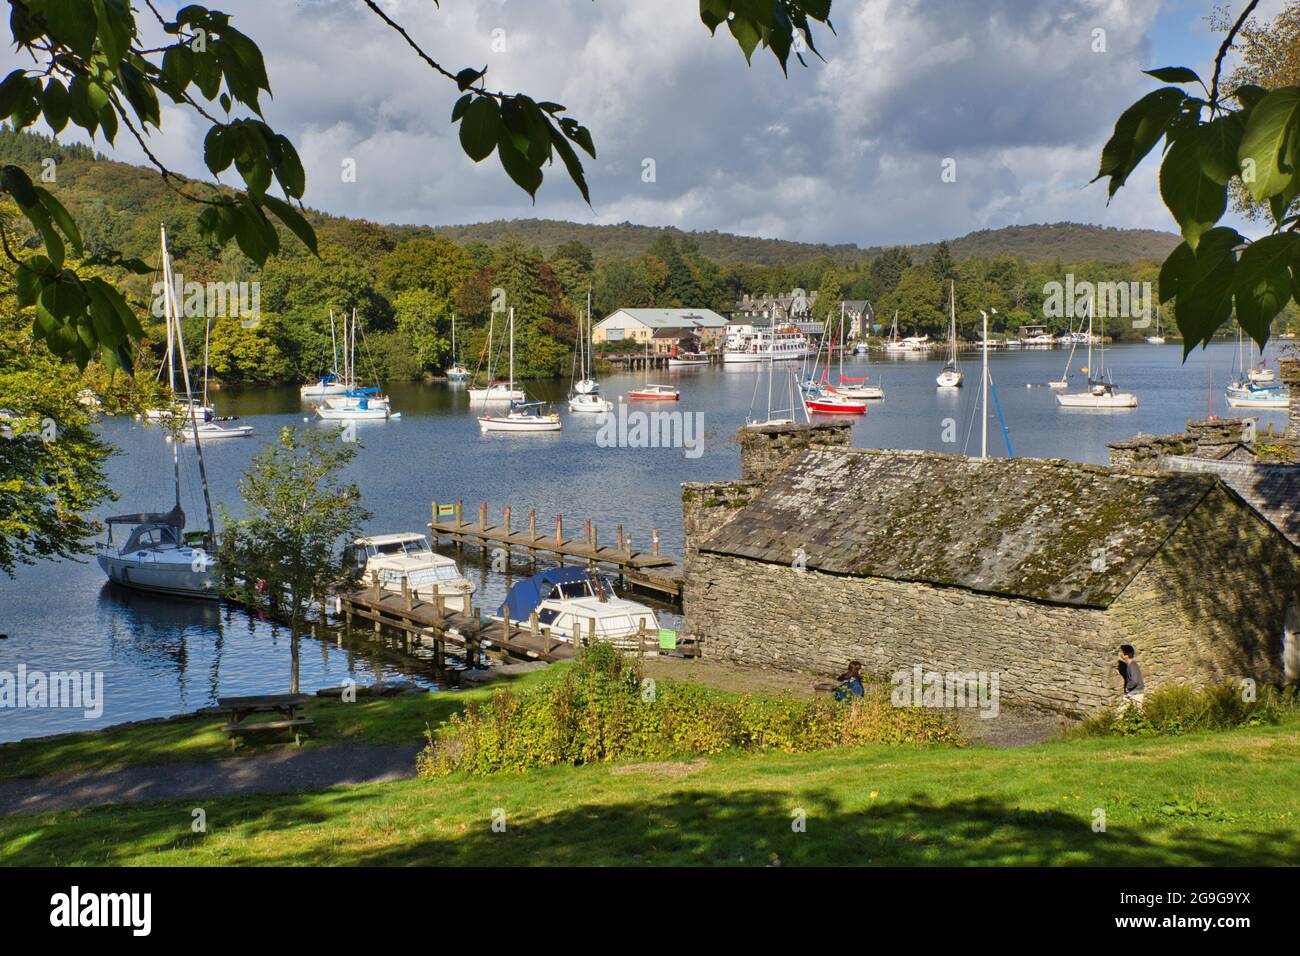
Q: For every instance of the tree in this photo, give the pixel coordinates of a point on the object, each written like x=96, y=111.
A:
x=98, y=73
x=51, y=459
x=888, y=267
x=1216, y=272
x=424, y=318
x=285, y=554
x=435, y=265
x=941, y=265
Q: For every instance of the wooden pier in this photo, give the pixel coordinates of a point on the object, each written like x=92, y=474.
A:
x=648, y=570
x=473, y=637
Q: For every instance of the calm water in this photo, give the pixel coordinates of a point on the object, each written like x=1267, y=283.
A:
x=164, y=656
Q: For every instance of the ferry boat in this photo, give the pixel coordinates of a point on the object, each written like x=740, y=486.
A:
x=748, y=345
x=570, y=602
x=391, y=559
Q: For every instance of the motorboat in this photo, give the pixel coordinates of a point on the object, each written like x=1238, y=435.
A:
x=590, y=403
x=392, y=559
x=652, y=392
x=575, y=604
x=688, y=360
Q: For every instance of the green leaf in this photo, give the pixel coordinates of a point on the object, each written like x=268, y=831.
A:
x=61, y=218
x=714, y=12
x=218, y=149
x=1136, y=131
x=571, y=163
x=1249, y=95
x=1266, y=170
x=1174, y=74
x=526, y=174
x=1203, y=284
x=746, y=33
x=1195, y=200
x=13, y=90
x=69, y=25
x=1219, y=141
x=1263, y=284
x=56, y=105
x=292, y=218
x=178, y=65
x=481, y=128
x=19, y=185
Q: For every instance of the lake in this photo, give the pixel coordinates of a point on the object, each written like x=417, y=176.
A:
x=162, y=656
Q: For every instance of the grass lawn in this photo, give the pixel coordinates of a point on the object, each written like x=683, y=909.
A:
x=1204, y=799
x=368, y=720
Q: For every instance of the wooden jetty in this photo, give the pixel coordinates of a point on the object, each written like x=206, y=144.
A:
x=472, y=636
x=648, y=570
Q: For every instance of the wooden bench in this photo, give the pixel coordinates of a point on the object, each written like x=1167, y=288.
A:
x=286, y=705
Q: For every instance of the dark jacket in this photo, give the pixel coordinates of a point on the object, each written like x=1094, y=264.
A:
x=1133, y=678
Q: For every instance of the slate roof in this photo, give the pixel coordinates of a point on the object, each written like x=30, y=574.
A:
x=670, y=318
x=1272, y=490
x=1048, y=530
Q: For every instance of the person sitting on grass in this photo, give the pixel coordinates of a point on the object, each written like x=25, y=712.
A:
x=850, y=682
x=1134, y=688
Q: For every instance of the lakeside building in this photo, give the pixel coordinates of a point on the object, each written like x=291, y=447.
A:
x=641, y=326
x=798, y=308
x=1035, y=569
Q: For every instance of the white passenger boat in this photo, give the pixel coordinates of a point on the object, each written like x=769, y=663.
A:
x=747, y=345
x=573, y=604
x=392, y=559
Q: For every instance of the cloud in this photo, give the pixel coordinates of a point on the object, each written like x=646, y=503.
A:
x=846, y=151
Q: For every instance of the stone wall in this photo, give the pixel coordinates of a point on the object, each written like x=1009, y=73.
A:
x=1290, y=375
x=757, y=614
x=1198, y=613
x=763, y=451
x=1206, y=438
x=708, y=505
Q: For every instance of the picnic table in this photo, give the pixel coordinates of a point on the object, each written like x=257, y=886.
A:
x=286, y=705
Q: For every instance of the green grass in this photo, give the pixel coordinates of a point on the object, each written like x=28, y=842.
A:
x=1197, y=799
x=377, y=720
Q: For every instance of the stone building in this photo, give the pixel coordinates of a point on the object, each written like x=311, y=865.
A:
x=1034, y=569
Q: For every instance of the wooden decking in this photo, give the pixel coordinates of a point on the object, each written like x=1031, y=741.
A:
x=646, y=569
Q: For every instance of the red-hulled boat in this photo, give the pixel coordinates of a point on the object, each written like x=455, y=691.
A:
x=828, y=401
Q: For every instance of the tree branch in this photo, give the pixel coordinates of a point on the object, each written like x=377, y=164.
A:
x=1223, y=51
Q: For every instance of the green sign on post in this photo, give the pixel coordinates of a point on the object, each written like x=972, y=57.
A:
x=446, y=511
x=667, y=639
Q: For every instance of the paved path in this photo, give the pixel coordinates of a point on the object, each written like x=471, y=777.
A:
x=287, y=771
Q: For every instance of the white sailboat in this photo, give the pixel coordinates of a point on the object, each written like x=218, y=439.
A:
x=329, y=383
x=779, y=416
x=1101, y=391
x=1246, y=392
x=854, y=389
x=178, y=408
x=523, y=416
x=1064, y=380
x=457, y=373
x=214, y=429
x=494, y=392
x=585, y=397
x=158, y=555
x=951, y=376
x=356, y=403
x=1158, y=338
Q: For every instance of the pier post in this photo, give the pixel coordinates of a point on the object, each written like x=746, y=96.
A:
x=595, y=539
x=532, y=524
x=654, y=542
x=406, y=591
x=587, y=532
x=506, y=518
x=374, y=588
x=482, y=516
x=620, y=537
x=559, y=530
x=440, y=605
x=460, y=511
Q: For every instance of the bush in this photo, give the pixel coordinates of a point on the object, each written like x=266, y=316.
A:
x=1180, y=709
x=602, y=710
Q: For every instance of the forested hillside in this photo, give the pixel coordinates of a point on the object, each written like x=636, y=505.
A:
x=406, y=281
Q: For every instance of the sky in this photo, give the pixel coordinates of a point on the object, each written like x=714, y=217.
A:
x=1013, y=98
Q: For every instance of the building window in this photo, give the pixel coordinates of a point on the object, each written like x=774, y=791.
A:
x=614, y=335
x=1291, y=645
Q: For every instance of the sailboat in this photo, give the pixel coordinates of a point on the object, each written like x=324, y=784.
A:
x=1246, y=392
x=1158, y=338
x=653, y=391
x=1259, y=374
x=1064, y=380
x=851, y=388
x=158, y=555
x=586, y=395
x=356, y=403
x=523, y=416
x=457, y=373
x=1101, y=390
x=951, y=376
x=178, y=408
x=494, y=391
x=212, y=429
x=329, y=383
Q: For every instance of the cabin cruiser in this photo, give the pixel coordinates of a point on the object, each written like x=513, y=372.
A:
x=159, y=556
x=523, y=417
x=570, y=602
x=391, y=559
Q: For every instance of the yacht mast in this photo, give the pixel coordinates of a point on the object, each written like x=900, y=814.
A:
x=984, y=414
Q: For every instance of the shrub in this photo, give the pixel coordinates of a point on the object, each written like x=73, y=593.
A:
x=1179, y=709
x=602, y=710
